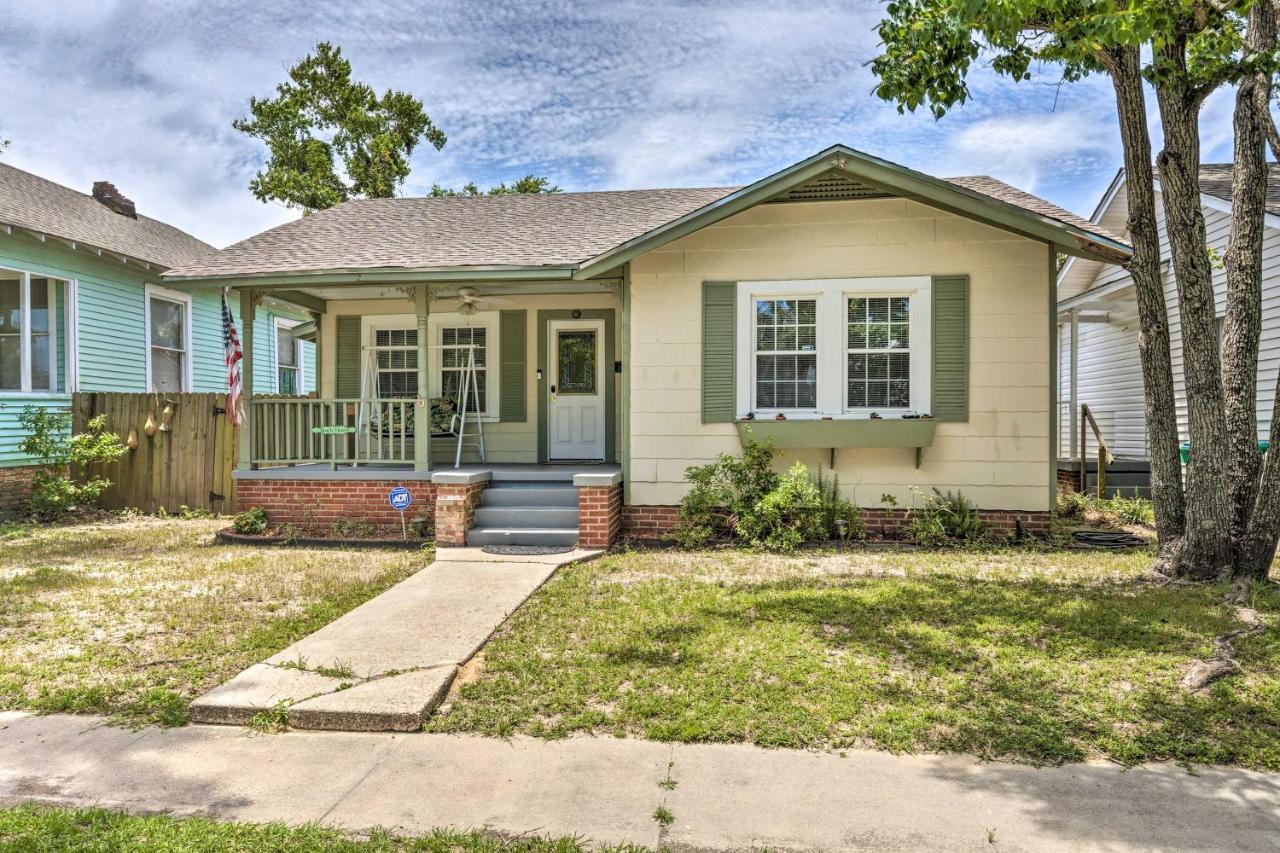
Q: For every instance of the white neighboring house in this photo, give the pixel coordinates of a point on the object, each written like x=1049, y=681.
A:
x=1098, y=358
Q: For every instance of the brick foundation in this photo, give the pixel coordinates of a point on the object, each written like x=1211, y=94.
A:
x=1069, y=480
x=599, y=515
x=15, y=489
x=653, y=522
x=455, y=511
x=322, y=502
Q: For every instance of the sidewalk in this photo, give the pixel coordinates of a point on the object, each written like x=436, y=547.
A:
x=727, y=797
x=386, y=665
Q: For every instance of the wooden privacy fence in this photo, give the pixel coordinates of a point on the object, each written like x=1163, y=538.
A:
x=186, y=460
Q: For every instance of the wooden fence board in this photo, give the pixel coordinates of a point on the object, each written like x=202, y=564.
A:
x=184, y=465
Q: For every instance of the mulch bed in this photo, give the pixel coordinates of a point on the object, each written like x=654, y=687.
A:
x=230, y=537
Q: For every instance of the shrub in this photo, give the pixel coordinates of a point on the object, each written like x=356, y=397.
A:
x=842, y=518
x=791, y=513
x=946, y=517
x=1076, y=506
x=1073, y=505
x=251, y=522
x=1134, y=510
x=723, y=491
x=61, y=456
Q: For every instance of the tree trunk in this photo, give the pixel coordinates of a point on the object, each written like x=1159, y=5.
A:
x=1125, y=68
x=1206, y=547
x=1255, y=506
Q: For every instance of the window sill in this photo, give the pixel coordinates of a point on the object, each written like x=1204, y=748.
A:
x=845, y=432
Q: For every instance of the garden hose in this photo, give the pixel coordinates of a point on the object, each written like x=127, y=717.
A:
x=1107, y=539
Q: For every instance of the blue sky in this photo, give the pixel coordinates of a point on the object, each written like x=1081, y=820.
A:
x=595, y=95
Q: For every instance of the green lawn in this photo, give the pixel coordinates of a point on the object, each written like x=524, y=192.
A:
x=136, y=617
x=32, y=829
x=1036, y=657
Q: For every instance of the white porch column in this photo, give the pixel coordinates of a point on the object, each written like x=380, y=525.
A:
x=422, y=406
x=1075, y=386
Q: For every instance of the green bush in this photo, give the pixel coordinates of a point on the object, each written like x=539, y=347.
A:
x=790, y=514
x=61, y=456
x=1073, y=506
x=945, y=518
x=841, y=518
x=723, y=491
x=251, y=522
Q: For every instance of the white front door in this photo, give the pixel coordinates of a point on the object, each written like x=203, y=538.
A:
x=575, y=387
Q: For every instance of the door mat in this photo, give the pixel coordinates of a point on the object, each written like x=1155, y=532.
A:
x=525, y=550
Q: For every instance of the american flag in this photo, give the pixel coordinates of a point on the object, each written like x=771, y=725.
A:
x=234, y=355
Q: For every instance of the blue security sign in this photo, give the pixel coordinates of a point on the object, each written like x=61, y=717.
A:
x=399, y=498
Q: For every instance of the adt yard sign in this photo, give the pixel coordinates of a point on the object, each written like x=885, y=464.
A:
x=400, y=498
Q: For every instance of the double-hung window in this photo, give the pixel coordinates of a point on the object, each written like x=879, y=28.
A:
x=28, y=331
x=453, y=339
x=168, y=323
x=395, y=364
x=833, y=348
x=459, y=344
x=288, y=359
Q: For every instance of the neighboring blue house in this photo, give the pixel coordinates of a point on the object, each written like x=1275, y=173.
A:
x=83, y=308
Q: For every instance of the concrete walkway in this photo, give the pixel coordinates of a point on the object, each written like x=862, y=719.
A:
x=387, y=664
x=726, y=797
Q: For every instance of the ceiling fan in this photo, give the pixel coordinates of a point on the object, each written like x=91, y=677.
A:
x=470, y=301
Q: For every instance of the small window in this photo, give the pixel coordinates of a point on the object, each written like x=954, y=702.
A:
x=27, y=334
x=11, y=287
x=459, y=343
x=395, y=354
x=879, y=352
x=288, y=361
x=168, y=344
x=786, y=333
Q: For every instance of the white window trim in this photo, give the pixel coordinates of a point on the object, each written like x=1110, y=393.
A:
x=488, y=320
x=298, y=357
x=832, y=342
x=24, y=339
x=151, y=291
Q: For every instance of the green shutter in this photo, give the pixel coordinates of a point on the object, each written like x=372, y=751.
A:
x=951, y=348
x=346, y=354
x=719, y=385
x=512, y=374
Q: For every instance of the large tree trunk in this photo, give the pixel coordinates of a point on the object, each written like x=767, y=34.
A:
x=1206, y=547
x=1255, y=506
x=1125, y=68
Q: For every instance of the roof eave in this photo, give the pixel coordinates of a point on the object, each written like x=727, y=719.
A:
x=896, y=179
x=377, y=275
x=79, y=245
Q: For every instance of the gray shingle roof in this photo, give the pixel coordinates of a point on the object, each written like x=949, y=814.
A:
x=1215, y=180
x=560, y=229
x=29, y=201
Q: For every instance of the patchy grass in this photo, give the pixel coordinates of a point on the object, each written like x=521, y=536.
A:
x=1034, y=657
x=136, y=617
x=54, y=830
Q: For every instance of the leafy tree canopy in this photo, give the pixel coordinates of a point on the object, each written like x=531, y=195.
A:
x=528, y=185
x=930, y=46
x=321, y=117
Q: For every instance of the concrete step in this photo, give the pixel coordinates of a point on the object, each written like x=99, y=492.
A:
x=527, y=516
x=556, y=536
x=530, y=494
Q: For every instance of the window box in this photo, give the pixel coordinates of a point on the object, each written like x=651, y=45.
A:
x=844, y=432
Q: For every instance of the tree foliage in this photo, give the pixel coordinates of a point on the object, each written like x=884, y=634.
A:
x=1227, y=519
x=332, y=138
x=528, y=185
x=56, y=488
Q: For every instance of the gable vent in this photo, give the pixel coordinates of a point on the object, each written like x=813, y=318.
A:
x=831, y=186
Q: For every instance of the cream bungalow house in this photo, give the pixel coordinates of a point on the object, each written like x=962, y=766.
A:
x=542, y=369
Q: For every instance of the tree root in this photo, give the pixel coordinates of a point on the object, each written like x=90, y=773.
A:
x=1204, y=672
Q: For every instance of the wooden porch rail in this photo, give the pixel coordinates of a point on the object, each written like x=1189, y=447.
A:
x=291, y=430
x=1105, y=456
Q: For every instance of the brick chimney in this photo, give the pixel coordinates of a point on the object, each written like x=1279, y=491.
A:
x=106, y=193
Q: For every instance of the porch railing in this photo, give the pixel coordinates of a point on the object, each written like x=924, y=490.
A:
x=292, y=430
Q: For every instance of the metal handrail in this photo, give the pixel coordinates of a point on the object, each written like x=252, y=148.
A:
x=1105, y=456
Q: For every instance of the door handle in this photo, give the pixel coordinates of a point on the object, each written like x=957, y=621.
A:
x=553, y=389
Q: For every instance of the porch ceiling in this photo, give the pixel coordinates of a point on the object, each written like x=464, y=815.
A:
x=449, y=290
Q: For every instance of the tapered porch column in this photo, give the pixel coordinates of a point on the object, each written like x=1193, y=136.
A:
x=422, y=406
x=248, y=309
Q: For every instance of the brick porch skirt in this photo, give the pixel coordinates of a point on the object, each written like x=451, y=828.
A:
x=644, y=522
x=15, y=489
x=322, y=502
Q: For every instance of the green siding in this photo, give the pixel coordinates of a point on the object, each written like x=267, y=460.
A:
x=951, y=348
x=719, y=305
x=513, y=373
x=347, y=356
x=265, y=377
